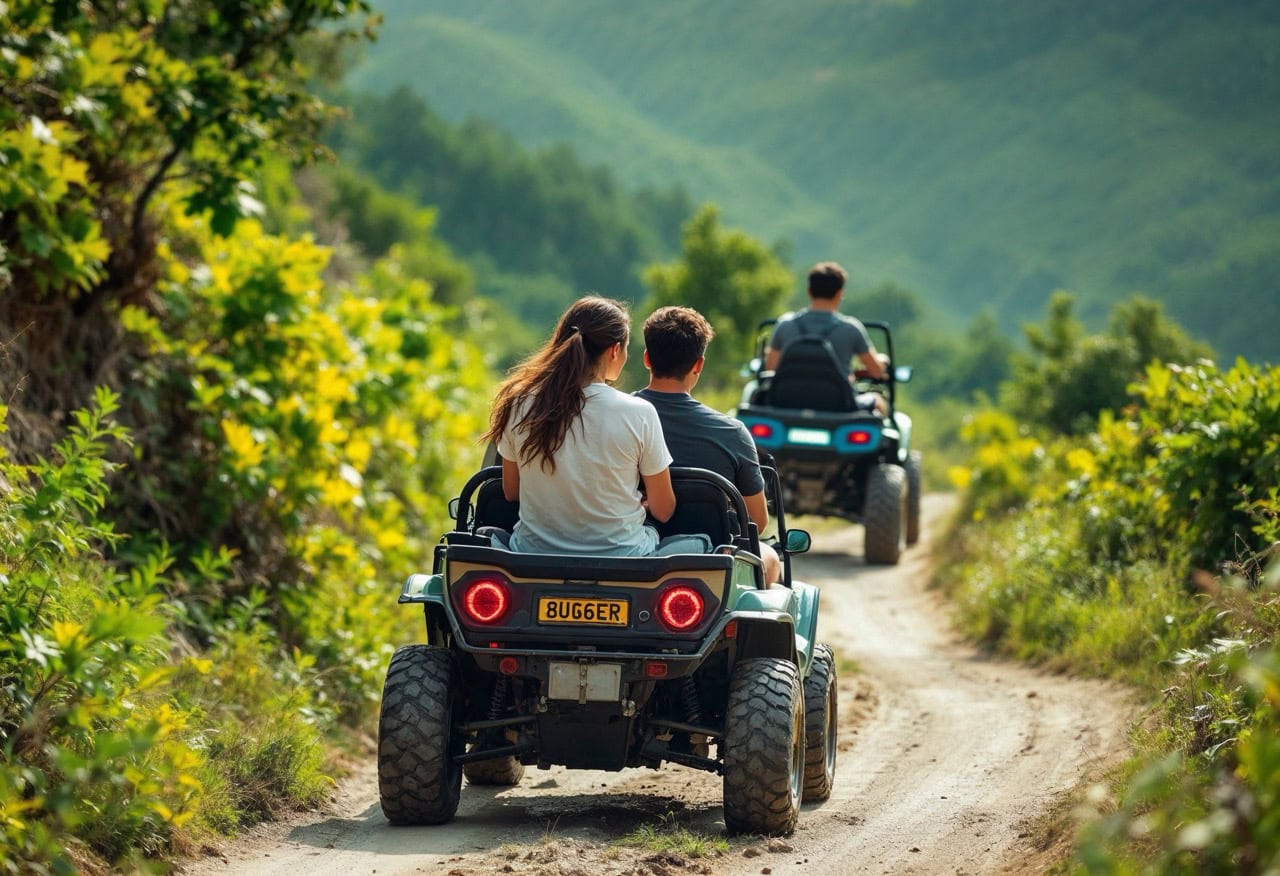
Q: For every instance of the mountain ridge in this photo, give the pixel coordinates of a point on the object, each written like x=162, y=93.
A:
x=984, y=158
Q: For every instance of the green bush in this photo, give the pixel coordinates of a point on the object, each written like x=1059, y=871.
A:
x=1212, y=806
x=197, y=580
x=1068, y=377
x=91, y=751
x=1147, y=550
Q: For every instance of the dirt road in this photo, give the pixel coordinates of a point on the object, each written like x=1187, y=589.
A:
x=946, y=758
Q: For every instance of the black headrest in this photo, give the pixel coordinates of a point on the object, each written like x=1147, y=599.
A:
x=809, y=376
x=701, y=507
x=493, y=508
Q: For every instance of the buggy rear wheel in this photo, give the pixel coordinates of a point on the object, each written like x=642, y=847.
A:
x=884, y=513
x=915, y=484
x=503, y=771
x=820, y=720
x=418, y=779
x=764, y=748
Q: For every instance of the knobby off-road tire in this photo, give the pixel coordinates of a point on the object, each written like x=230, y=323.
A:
x=418, y=780
x=915, y=484
x=504, y=771
x=763, y=748
x=820, y=720
x=884, y=514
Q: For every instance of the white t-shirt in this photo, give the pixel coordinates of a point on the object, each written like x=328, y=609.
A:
x=591, y=503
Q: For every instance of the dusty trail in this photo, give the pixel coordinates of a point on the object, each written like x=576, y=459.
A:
x=941, y=768
x=961, y=751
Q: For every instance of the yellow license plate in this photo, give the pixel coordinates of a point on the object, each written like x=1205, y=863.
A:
x=577, y=610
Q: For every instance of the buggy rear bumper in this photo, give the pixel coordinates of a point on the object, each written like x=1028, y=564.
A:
x=779, y=620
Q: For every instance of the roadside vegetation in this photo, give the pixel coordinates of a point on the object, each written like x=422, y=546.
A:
x=216, y=459
x=1141, y=542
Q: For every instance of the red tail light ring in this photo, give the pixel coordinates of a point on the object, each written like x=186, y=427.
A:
x=486, y=601
x=680, y=608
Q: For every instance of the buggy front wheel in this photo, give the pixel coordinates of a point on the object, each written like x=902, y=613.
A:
x=764, y=748
x=884, y=514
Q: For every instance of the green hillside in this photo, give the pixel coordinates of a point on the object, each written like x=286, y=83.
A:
x=984, y=153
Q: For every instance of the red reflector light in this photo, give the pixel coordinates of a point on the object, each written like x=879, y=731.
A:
x=680, y=608
x=761, y=430
x=655, y=669
x=731, y=630
x=858, y=438
x=508, y=665
x=486, y=601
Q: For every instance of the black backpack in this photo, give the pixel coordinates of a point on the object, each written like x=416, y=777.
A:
x=810, y=375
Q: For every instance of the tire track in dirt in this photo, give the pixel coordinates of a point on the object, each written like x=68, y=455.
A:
x=961, y=751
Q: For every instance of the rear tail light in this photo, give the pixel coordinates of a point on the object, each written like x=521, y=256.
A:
x=761, y=430
x=858, y=438
x=486, y=601
x=680, y=608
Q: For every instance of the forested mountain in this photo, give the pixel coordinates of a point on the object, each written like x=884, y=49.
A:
x=540, y=226
x=984, y=153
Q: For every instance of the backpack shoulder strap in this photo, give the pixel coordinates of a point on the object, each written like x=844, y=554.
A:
x=807, y=332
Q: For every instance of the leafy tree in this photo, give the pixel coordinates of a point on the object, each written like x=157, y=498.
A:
x=192, y=581
x=888, y=302
x=348, y=207
x=731, y=279
x=957, y=367
x=1069, y=377
x=517, y=213
x=109, y=111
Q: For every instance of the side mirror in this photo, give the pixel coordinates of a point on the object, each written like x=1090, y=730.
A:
x=751, y=369
x=902, y=373
x=453, y=507
x=798, y=541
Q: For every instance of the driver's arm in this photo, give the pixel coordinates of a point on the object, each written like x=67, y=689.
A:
x=873, y=364
x=771, y=359
x=660, y=496
x=758, y=508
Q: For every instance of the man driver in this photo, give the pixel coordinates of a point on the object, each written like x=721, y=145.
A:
x=847, y=336
x=675, y=340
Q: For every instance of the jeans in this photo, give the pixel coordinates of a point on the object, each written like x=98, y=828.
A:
x=682, y=543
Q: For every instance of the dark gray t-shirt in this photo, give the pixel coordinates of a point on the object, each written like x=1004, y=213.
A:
x=847, y=335
x=700, y=437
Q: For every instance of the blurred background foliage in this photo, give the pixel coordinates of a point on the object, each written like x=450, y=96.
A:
x=240, y=379
x=983, y=155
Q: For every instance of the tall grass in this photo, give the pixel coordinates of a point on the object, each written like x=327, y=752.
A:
x=1147, y=552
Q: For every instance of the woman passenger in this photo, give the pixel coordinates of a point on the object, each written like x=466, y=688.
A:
x=575, y=449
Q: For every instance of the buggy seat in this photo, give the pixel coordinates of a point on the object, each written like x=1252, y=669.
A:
x=807, y=377
x=705, y=503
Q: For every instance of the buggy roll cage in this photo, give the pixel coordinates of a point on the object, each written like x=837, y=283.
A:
x=756, y=366
x=464, y=509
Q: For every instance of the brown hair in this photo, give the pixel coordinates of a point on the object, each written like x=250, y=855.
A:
x=675, y=339
x=826, y=279
x=553, y=378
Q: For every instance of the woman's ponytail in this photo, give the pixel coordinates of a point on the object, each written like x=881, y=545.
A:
x=554, y=378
